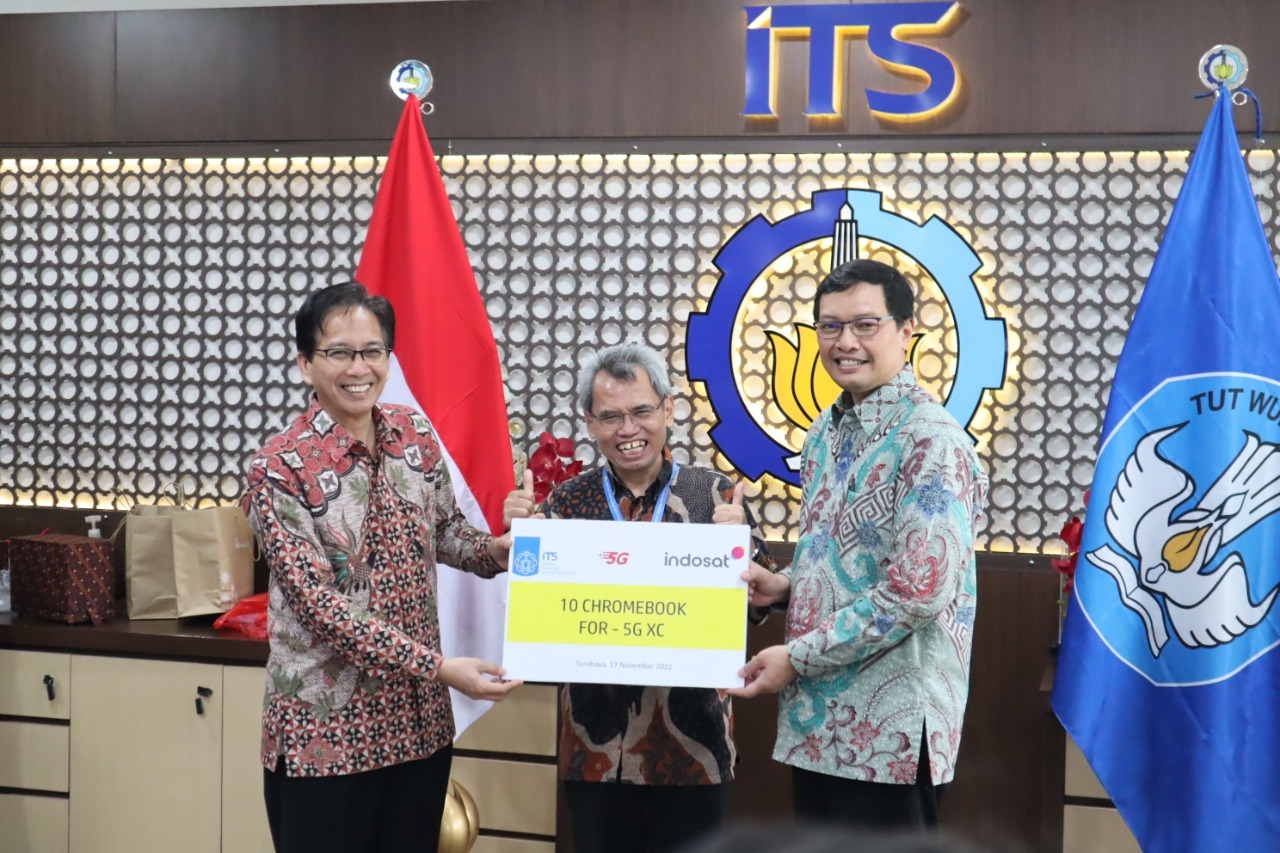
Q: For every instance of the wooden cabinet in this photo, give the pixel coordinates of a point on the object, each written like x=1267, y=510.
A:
x=35, y=684
x=127, y=762
x=33, y=755
x=121, y=761
x=34, y=751
x=146, y=773
x=33, y=823
x=1091, y=823
x=244, y=814
x=506, y=760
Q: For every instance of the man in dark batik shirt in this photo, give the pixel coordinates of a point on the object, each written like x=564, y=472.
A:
x=644, y=768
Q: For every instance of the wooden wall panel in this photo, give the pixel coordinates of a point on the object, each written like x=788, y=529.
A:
x=57, y=75
x=582, y=69
x=266, y=74
x=1009, y=773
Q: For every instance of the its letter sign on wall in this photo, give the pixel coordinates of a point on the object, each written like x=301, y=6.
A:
x=826, y=27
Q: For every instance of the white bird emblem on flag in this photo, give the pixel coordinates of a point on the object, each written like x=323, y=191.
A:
x=1206, y=606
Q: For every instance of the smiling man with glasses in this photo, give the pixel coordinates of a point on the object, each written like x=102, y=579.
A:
x=644, y=768
x=354, y=508
x=874, y=673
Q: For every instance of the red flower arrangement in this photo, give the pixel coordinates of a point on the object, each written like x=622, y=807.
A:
x=1070, y=534
x=548, y=464
x=1066, y=566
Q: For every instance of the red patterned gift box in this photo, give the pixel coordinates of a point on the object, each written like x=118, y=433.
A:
x=62, y=577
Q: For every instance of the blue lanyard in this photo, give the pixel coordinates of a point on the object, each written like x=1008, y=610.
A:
x=658, y=509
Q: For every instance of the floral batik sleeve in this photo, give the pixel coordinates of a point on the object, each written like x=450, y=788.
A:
x=936, y=496
x=458, y=544
x=301, y=573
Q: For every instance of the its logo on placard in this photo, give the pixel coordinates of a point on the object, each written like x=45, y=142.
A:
x=524, y=555
x=826, y=26
x=801, y=387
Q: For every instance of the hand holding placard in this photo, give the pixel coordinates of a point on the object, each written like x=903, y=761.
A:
x=765, y=587
x=469, y=676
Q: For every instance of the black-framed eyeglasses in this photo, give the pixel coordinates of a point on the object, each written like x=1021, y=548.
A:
x=862, y=327
x=346, y=355
x=640, y=416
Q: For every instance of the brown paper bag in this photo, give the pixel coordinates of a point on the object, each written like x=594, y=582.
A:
x=186, y=562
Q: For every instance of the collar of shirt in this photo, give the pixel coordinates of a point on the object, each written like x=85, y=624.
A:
x=650, y=496
x=389, y=432
x=875, y=407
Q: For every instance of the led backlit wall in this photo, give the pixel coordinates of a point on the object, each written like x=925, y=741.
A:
x=144, y=304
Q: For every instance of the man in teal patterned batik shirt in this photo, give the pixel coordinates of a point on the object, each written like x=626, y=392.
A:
x=874, y=674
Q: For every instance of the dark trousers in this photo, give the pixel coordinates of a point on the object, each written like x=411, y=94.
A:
x=394, y=809
x=613, y=818
x=873, y=805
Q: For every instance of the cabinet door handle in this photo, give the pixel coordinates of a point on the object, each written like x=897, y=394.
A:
x=202, y=693
x=48, y=686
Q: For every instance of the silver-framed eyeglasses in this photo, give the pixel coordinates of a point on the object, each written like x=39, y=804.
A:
x=641, y=416
x=346, y=355
x=862, y=327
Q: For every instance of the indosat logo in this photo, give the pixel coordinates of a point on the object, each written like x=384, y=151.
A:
x=801, y=387
x=826, y=26
x=695, y=561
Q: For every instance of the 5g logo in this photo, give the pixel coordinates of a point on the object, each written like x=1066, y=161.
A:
x=615, y=558
x=826, y=27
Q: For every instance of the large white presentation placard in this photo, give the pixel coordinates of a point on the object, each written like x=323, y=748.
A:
x=613, y=602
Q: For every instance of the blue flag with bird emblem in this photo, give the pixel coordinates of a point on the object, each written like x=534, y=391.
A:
x=1169, y=677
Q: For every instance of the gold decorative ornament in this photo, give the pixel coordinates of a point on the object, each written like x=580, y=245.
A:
x=461, y=823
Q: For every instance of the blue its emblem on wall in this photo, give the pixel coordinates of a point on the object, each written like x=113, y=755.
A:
x=844, y=215
x=524, y=555
x=1191, y=473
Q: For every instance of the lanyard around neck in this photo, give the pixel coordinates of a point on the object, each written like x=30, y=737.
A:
x=659, y=508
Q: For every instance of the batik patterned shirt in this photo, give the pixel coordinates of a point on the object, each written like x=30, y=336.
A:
x=647, y=735
x=352, y=540
x=883, y=589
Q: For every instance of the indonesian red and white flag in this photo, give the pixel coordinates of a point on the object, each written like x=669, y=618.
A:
x=445, y=364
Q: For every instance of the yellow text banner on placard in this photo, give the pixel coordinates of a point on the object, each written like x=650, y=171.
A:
x=619, y=615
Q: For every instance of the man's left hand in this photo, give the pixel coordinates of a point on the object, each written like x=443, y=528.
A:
x=767, y=672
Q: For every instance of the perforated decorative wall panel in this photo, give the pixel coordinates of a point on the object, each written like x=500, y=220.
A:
x=145, y=304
